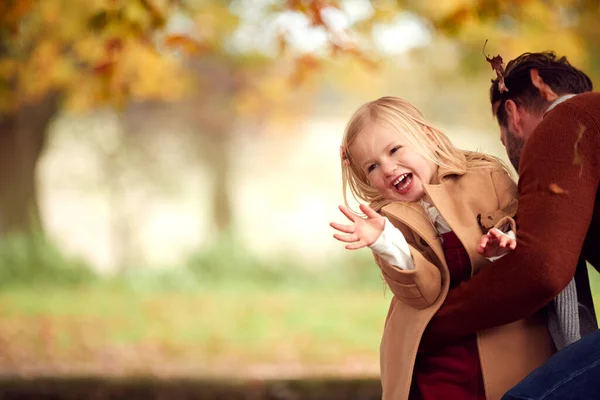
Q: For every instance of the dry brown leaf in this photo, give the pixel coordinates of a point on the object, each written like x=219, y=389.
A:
x=498, y=66
x=555, y=189
x=577, y=159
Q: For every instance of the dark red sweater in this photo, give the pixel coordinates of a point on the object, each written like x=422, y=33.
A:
x=553, y=227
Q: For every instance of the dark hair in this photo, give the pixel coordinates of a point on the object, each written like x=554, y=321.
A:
x=561, y=76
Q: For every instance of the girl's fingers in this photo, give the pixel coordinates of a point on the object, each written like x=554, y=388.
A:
x=496, y=233
x=369, y=212
x=482, y=244
x=347, y=213
x=346, y=238
x=355, y=246
x=484, y=241
x=513, y=244
x=342, y=227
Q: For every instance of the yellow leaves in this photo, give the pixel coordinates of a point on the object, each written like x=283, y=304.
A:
x=126, y=69
x=151, y=75
x=135, y=13
x=450, y=10
x=50, y=12
x=158, y=10
x=8, y=68
x=44, y=71
x=89, y=49
x=11, y=13
x=214, y=21
x=44, y=55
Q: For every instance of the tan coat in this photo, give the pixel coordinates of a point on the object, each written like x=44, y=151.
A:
x=507, y=353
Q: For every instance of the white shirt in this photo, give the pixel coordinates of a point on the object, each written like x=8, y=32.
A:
x=393, y=248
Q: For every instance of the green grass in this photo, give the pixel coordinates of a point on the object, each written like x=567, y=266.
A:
x=225, y=330
x=217, y=331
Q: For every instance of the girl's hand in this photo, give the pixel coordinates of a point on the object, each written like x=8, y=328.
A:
x=362, y=232
x=496, y=243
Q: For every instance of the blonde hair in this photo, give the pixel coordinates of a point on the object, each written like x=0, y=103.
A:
x=408, y=121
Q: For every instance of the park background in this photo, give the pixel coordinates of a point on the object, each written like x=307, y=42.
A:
x=168, y=170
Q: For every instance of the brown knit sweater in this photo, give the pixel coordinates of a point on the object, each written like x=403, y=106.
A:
x=558, y=219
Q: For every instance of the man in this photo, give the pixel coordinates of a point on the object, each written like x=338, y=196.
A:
x=553, y=139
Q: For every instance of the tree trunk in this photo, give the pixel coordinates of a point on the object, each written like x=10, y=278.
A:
x=22, y=140
x=219, y=163
x=215, y=115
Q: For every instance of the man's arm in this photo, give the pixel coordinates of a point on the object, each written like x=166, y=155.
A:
x=556, y=201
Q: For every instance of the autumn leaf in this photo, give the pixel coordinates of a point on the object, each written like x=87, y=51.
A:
x=498, y=66
x=577, y=159
x=555, y=189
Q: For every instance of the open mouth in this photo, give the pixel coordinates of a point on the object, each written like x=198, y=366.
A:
x=403, y=182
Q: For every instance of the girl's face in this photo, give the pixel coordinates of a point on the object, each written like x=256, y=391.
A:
x=390, y=164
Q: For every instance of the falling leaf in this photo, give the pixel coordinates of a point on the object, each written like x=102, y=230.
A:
x=577, y=159
x=497, y=65
x=555, y=189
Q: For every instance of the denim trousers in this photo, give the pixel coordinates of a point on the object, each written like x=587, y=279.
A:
x=572, y=373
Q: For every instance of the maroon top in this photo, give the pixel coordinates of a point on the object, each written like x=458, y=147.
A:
x=450, y=372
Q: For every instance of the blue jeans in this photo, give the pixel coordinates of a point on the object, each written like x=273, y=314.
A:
x=572, y=373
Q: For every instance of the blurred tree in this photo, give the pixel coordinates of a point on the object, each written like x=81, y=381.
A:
x=516, y=26
x=77, y=54
x=82, y=54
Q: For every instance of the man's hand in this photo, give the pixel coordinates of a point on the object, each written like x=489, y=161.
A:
x=496, y=243
x=362, y=232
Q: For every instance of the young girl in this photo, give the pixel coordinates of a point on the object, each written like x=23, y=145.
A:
x=429, y=202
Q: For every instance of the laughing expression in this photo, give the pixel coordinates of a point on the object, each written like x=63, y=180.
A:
x=390, y=163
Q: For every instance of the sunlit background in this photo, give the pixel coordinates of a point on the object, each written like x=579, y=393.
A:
x=168, y=170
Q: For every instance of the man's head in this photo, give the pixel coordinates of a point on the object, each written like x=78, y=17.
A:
x=534, y=81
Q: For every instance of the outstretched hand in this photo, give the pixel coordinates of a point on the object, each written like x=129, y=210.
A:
x=362, y=232
x=495, y=244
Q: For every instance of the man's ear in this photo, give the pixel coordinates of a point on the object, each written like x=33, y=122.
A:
x=512, y=112
x=545, y=90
